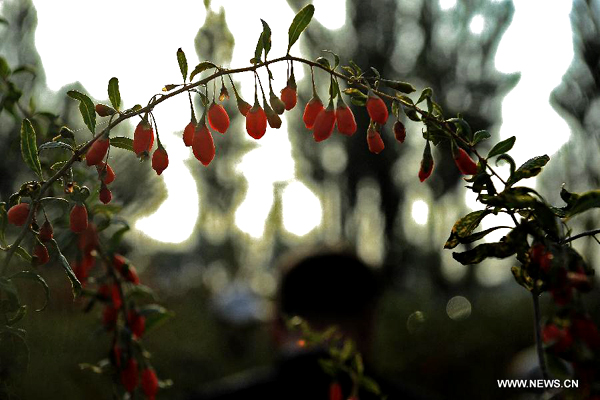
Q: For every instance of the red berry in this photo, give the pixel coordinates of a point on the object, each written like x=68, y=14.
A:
x=104, y=292
x=559, y=339
x=585, y=329
x=79, y=218
x=41, y=252
x=109, y=317
x=276, y=103
x=46, y=232
x=127, y=270
x=311, y=111
x=149, y=383
x=346, y=124
x=115, y=296
x=160, y=160
x=105, y=173
x=426, y=163
x=289, y=97
x=243, y=106
x=104, y=111
x=256, y=122
x=17, y=214
x=188, y=134
x=335, y=391
x=203, y=145
x=324, y=123
x=129, y=375
x=143, y=138
x=399, y=131
x=465, y=164
x=272, y=117
x=97, y=151
x=82, y=267
x=377, y=109
x=218, y=118
x=374, y=141
x=137, y=323
x=105, y=194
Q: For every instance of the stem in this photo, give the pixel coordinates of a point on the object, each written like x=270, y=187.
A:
x=538, y=334
x=580, y=235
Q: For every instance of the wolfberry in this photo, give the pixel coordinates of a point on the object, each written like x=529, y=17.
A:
x=188, y=134
x=243, y=106
x=104, y=111
x=17, y=214
x=346, y=124
x=426, y=163
x=137, y=323
x=324, y=123
x=105, y=194
x=272, y=117
x=130, y=274
x=115, y=355
x=374, y=141
x=143, y=138
x=160, y=160
x=109, y=317
x=203, y=145
x=559, y=339
x=465, y=164
x=129, y=375
x=82, y=267
x=103, y=292
x=276, y=104
x=105, y=173
x=97, y=151
x=41, y=252
x=256, y=121
x=79, y=218
x=46, y=232
x=289, y=94
x=218, y=118
x=335, y=391
x=377, y=109
x=149, y=383
x=115, y=296
x=311, y=111
x=399, y=131
x=88, y=239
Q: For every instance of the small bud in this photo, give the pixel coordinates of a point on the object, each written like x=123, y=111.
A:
x=104, y=111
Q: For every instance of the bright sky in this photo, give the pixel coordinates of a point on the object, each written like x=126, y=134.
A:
x=144, y=52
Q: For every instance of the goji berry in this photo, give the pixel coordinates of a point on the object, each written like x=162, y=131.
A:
x=109, y=317
x=311, y=111
x=374, y=141
x=78, y=218
x=143, y=138
x=203, y=145
x=377, y=109
x=129, y=375
x=188, y=134
x=46, y=232
x=218, y=118
x=149, y=383
x=97, y=151
x=289, y=94
x=465, y=164
x=346, y=124
x=137, y=323
x=426, y=163
x=276, y=104
x=160, y=160
x=335, y=391
x=324, y=123
x=272, y=117
x=17, y=214
x=41, y=253
x=105, y=194
x=105, y=173
x=399, y=131
x=104, y=111
x=558, y=339
x=256, y=121
x=243, y=106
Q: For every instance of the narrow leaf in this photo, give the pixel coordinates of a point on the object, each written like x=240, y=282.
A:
x=122, y=143
x=55, y=145
x=529, y=169
x=29, y=147
x=86, y=107
x=203, y=66
x=266, y=37
x=480, y=136
x=324, y=62
x=400, y=86
x=113, y=93
x=502, y=147
x=30, y=275
x=299, y=24
x=75, y=284
x=183, y=66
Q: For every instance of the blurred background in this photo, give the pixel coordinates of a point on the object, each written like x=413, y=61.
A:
x=208, y=238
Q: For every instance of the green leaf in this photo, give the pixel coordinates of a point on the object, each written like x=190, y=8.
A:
x=324, y=62
x=75, y=284
x=113, y=93
x=266, y=37
x=155, y=316
x=529, y=169
x=122, y=143
x=203, y=66
x=183, y=66
x=480, y=136
x=464, y=227
x=400, y=86
x=55, y=145
x=483, y=251
x=425, y=94
x=356, y=67
x=3, y=21
x=21, y=252
x=336, y=58
x=30, y=275
x=29, y=147
x=4, y=68
x=405, y=100
x=583, y=203
x=259, y=50
x=462, y=127
x=370, y=385
x=86, y=108
x=502, y=147
x=509, y=160
x=299, y=24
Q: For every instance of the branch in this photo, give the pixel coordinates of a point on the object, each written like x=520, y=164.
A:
x=580, y=235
